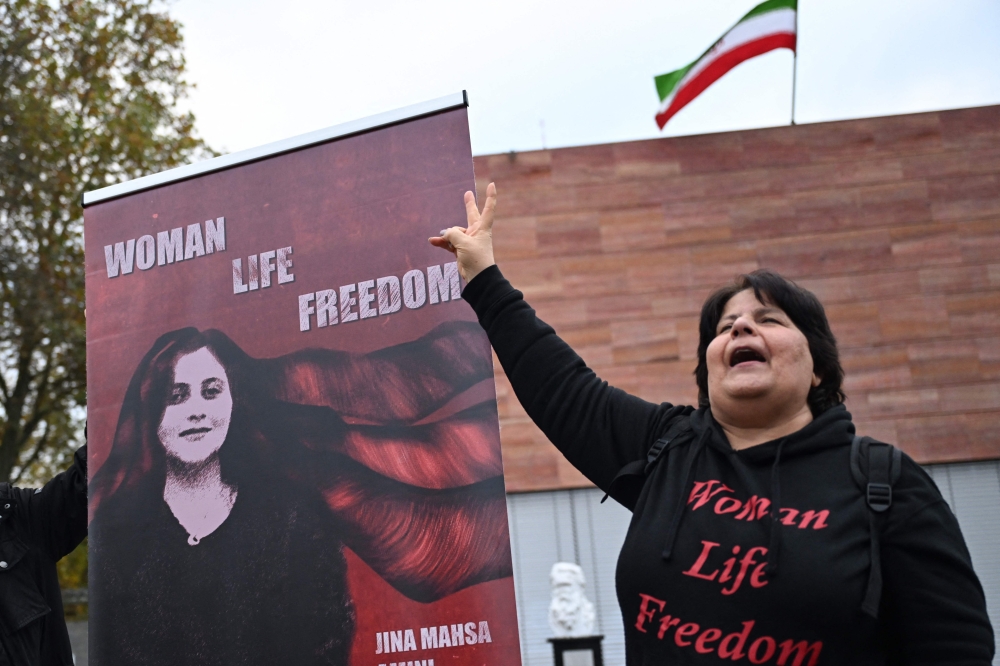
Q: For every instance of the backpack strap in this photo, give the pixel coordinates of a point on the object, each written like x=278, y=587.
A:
x=884, y=465
x=636, y=471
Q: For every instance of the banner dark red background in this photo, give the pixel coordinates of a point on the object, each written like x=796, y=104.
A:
x=353, y=209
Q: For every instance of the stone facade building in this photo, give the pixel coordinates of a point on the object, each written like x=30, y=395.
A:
x=893, y=222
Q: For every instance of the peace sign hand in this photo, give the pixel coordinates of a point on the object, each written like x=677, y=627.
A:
x=472, y=246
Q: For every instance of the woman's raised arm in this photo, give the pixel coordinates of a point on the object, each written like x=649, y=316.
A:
x=597, y=427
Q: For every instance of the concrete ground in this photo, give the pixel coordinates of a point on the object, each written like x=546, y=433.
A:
x=78, y=638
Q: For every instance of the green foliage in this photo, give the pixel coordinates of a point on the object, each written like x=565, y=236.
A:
x=88, y=97
x=72, y=571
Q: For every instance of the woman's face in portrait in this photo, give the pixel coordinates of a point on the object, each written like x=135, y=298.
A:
x=199, y=408
x=758, y=353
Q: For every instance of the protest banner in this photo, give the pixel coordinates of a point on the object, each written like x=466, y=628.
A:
x=294, y=446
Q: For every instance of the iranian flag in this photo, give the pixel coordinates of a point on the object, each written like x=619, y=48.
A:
x=768, y=26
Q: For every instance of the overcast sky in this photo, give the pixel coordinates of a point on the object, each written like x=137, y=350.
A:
x=269, y=69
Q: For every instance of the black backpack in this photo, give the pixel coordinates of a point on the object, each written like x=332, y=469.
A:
x=627, y=485
x=875, y=466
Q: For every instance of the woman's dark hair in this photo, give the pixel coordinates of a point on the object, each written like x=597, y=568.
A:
x=805, y=311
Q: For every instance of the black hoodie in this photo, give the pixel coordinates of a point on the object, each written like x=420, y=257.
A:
x=706, y=575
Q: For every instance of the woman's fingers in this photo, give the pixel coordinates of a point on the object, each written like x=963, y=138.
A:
x=443, y=243
x=445, y=237
x=486, y=218
x=481, y=220
x=471, y=212
x=472, y=246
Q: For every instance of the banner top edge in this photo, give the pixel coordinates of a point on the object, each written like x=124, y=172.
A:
x=403, y=114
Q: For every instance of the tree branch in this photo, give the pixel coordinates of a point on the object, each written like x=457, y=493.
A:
x=34, y=455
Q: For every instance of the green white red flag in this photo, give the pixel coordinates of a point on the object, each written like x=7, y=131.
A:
x=768, y=26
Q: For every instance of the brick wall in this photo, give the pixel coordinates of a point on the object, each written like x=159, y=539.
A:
x=893, y=222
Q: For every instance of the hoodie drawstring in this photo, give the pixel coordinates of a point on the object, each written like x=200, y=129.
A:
x=675, y=520
x=774, y=538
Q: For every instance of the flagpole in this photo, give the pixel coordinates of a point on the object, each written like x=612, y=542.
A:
x=795, y=60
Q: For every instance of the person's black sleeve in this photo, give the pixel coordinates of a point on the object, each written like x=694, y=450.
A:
x=597, y=427
x=55, y=515
x=935, y=607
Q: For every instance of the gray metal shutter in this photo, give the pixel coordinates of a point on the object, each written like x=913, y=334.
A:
x=973, y=492
x=566, y=526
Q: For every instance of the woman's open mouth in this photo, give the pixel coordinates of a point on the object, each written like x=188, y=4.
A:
x=745, y=355
x=194, y=431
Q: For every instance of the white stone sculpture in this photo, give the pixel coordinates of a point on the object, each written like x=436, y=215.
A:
x=570, y=614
